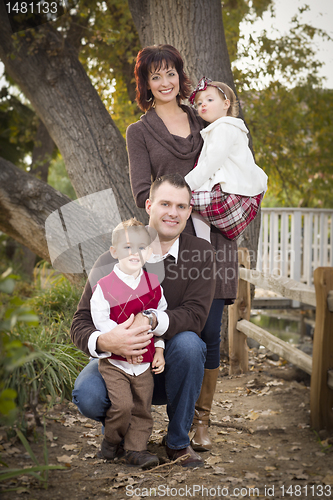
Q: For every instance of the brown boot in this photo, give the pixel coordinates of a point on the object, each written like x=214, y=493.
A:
x=201, y=441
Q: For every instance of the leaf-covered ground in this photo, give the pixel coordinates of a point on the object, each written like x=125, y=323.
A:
x=263, y=448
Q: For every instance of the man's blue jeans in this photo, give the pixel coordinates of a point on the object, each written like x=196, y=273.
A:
x=178, y=387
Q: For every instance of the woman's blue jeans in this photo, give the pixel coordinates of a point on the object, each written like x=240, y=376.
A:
x=211, y=334
x=178, y=387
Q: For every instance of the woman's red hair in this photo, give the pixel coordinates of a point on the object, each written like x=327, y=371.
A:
x=155, y=57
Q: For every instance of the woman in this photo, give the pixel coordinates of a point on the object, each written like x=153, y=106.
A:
x=166, y=140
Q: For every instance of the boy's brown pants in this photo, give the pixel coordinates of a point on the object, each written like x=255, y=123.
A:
x=129, y=416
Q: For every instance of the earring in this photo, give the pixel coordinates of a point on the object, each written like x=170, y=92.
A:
x=151, y=97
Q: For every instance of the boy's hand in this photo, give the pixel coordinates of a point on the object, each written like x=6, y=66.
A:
x=134, y=360
x=158, y=363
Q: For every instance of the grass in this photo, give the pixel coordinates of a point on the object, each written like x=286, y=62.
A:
x=38, y=471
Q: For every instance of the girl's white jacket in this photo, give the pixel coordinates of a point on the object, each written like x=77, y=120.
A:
x=226, y=159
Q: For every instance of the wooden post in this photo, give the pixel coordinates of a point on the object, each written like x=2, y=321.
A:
x=321, y=396
x=241, y=309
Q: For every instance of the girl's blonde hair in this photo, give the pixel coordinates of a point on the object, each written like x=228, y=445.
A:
x=233, y=109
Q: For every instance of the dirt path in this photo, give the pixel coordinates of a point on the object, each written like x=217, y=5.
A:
x=263, y=448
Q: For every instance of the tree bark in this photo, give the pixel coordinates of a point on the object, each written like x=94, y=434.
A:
x=25, y=204
x=42, y=152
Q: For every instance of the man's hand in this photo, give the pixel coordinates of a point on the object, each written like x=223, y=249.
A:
x=126, y=339
x=143, y=320
x=140, y=320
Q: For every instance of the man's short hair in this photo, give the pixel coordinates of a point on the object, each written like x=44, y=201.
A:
x=132, y=223
x=175, y=180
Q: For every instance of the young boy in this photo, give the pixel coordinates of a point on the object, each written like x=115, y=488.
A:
x=128, y=290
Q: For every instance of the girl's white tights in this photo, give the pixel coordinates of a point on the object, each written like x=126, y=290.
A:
x=201, y=226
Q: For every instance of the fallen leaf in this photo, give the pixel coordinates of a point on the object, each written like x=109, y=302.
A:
x=213, y=460
x=300, y=476
x=65, y=459
x=252, y=415
x=328, y=479
x=220, y=440
x=82, y=419
x=93, y=443
x=88, y=435
x=264, y=392
x=267, y=413
x=69, y=447
x=274, y=383
x=89, y=455
x=22, y=489
x=233, y=480
x=259, y=457
x=49, y=435
x=284, y=458
x=69, y=421
x=251, y=475
x=13, y=451
x=218, y=471
x=270, y=468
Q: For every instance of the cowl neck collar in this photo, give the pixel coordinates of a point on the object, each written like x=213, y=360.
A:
x=182, y=147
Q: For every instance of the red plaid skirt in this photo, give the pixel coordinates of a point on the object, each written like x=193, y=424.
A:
x=230, y=213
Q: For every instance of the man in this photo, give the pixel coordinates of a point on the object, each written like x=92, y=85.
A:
x=189, y=284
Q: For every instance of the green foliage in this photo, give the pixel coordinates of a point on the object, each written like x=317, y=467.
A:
x=288, y=114
x=38, y=359
x=233, y=13
x=58, y=178
x=13, y=352
x=292, y=142
x=18, y=127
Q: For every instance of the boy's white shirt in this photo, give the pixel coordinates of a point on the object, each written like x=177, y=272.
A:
x=226, y=159
x=100, y=313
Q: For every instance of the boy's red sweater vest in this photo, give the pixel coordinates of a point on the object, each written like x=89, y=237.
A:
x=124, y=301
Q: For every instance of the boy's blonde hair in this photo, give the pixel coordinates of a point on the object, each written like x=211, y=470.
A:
x=129, y=223
x=233, y=109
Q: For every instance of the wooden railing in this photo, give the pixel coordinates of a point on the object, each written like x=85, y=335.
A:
x=295, y=241
x=320, y=365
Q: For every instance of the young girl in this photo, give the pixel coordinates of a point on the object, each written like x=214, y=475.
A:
x=227, y=186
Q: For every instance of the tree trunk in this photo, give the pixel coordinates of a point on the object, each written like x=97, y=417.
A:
x=47, y=69
x=25, y=204
x=194, y=27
